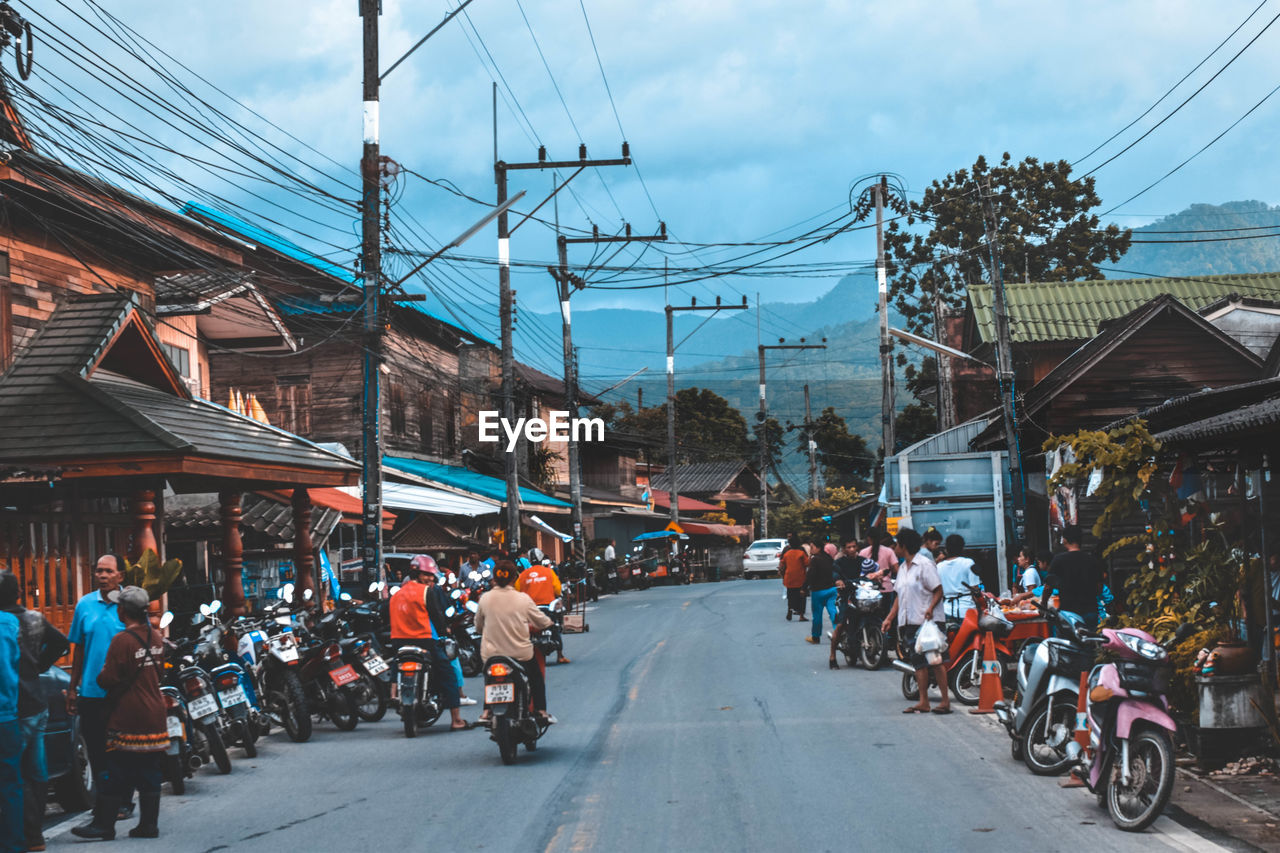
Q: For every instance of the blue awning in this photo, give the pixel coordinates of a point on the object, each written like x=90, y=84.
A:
x=469, y=481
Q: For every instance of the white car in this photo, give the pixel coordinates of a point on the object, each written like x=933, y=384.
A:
x=761, y=558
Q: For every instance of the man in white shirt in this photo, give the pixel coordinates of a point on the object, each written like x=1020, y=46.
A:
x=956, y=571
x=919, y=600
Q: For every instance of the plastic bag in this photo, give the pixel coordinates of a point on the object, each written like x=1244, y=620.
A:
x=930, y=639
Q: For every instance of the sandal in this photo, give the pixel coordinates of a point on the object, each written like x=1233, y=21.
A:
x=942, y=709
x=462, y=728
x=914, y=709
x=831, y=664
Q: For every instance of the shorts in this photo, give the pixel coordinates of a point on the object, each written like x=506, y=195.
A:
x=908, y=640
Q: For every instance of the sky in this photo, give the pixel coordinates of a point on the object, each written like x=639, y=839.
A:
x=745, y=118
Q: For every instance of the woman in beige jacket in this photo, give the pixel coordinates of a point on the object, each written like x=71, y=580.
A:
x=504, y=619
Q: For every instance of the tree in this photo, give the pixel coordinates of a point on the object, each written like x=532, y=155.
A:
x=708, y=428
x=844, y=457
x=1043, y=226
x=773, y=433
x=807, y=519
x=915, y=422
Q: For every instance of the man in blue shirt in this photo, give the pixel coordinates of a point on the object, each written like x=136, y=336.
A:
x=93, y=626
x=12, y=834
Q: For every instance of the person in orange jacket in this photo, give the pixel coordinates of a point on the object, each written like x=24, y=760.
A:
x=793, y=564
x=542, y=584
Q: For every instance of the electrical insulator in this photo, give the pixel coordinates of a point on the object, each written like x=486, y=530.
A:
x=626, y=149
x=717, y=301
x=693, y=301
x=628, y=224
x=582, y=151
x=542, y=153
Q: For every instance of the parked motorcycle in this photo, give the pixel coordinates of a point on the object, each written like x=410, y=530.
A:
x=330, y=685
x=269, y=649
x=1130, y=730
x=371, y=692
x=507, y=697
x=200, y=699
x=241, y=722
x=1041, y=718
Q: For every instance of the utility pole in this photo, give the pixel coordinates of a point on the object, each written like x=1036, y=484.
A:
x=563, y=281
x=371, y=280
x=886, y=344
x=813, y=447
x=505, y=296
x=671, y=391
x=1004, y=371
x=762, y=418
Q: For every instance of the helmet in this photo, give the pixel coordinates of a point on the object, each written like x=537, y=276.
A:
x=423, y=563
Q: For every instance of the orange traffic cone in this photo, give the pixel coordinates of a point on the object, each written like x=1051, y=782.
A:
x=1073, y=779
x=992, y=690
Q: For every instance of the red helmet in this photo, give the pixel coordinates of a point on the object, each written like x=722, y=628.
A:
x=423, y=563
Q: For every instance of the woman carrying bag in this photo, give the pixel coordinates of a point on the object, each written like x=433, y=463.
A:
x=137, y=734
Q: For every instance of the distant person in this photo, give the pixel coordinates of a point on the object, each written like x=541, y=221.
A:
x=956, y=571
x=880, y=549
x=1077, y=578
x=542, y=584
x=933, y=542
x=794, y=563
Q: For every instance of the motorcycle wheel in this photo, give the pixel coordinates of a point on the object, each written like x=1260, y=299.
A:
x=248, y=739
x=1048, y=756
x=1015, y=748
x=471, y=663
x=505, y=735
x=872, y=647
x=342, y=709
x=175, y=775
x=291, y=707
x=76, y=790
x=218, y=750
x=372, y=705
x=910, y=690
x=966, y=681
x=409, y=716
x=1135, y=806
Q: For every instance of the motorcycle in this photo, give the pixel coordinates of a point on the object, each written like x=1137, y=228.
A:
x=462, y=628
x=269, y=649
x=606, y=577
x=1130, y=731
x=551, y=639
x=200, y=700
x=419, y=703
x=862, y=638
x=241, y=722
x=371, y=691
x=1041, y=718
x=179, y=762
x=330, y=685
x=507, y=697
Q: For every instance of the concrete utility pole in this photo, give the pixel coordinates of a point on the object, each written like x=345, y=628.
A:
x=371, y=280
x=563, y=280
x=886, y=344
x=671, y=391
x=762, y=417
x=506, y=298
x=813, y=447
x=1004, y=371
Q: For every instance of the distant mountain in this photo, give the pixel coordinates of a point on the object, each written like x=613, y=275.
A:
x=1220, y=257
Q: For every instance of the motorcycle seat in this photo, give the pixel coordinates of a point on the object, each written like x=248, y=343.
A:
x=995, y=625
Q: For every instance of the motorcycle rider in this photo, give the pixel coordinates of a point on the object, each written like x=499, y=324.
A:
x=542, y=584
x=504, y=621
x=849, y=568
x=416, y=608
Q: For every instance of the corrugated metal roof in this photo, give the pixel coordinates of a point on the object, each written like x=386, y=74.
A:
x=468, y=481
x=1040, y=312
x=954, y=440
x=700, y=477
x=1227, y=429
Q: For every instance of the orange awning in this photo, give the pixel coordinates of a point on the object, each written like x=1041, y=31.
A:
x=704, y=529
x=663, y=499
x=349, y=506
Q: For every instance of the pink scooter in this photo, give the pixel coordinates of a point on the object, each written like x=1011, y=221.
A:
x=1130, y=730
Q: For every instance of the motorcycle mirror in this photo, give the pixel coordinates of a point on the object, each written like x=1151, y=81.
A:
x=394, y=590
x=197, y=618
x=205, y=610
x=306, y=595
x=214, y=606
x=450, y=612
x=374, y=587
x=472, y=606
x=486, y=574
x=165, y=619
x=456, y=594
x=346, y=596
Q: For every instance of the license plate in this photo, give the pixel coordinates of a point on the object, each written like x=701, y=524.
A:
x=495, y=694
x=375, y=665
x=288, y=652
x=613, y=575
x=344, y=674
x=175, y=727
x=232, y=697
x=202, y=706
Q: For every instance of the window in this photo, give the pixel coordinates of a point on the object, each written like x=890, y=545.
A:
x=395, y=406
x=293, y=404
x=180, y=357
x=426, y=423
x=6, y=326
x=450, y=425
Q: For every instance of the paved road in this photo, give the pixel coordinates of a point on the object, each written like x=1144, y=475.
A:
x=692, y=718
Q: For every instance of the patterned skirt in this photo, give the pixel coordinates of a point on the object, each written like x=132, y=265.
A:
x=137, y=742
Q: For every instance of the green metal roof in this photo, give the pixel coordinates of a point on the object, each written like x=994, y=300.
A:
x=1040, y=312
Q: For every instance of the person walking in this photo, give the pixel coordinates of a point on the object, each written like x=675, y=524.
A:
x=12, y=838
x=137, y=734
x=919, y=601
x=40, y=645
x=94, y=625
x=794, y=563
x=821, y=581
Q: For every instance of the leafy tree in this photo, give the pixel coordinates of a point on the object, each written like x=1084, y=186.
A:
x=1043, y=225
x=773, y=433
x=806, y=519
x=844, y=457
x=708, y=428
x=915, y=422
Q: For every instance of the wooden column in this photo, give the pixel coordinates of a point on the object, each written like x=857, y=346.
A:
x=232, y=554
x=144, y=523
x=304, y=557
